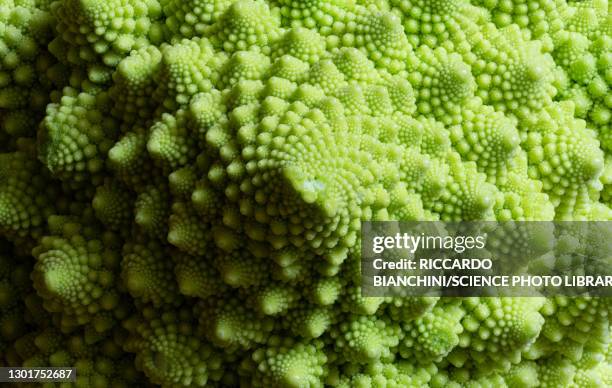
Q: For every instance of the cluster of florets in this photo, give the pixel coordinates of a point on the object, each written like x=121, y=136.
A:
x=193, y=191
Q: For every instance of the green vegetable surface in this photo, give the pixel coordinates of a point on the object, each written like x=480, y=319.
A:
x=182, y=184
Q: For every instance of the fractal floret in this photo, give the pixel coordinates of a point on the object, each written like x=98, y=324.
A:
x=182, y=186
